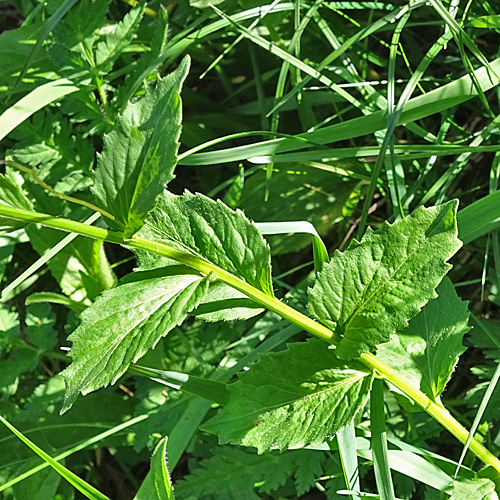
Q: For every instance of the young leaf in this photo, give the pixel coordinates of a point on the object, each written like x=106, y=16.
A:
x=140, y=154
x=373, y=288
x=292, y=399
x=427, y=351
x=212, y=231
x=123, y=324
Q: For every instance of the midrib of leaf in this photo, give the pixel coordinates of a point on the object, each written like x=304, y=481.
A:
x=438, y=412
x=383, y=285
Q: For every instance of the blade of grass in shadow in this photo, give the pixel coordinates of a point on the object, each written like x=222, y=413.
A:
x=82, y=486
x=484, y=401
x=346, y=439
x=49, y=25
x=379, y=442
x=74, y=449
x=31, y=103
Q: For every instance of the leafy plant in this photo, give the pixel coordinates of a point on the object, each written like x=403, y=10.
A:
x=203, y=305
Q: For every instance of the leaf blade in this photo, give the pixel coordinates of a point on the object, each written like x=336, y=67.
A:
x=140, y=154
x=123, y=324
x=373, y=288
x=292, y=399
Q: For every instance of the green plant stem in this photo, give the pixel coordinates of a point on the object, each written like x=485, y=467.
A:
x=434, y=409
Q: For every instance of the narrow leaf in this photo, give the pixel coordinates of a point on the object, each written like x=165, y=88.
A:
x=140, y=154
x=123, y=324
x=373, y=288
x=157, y=484
x=427, y=351
x=212, y=231
x=292, y=399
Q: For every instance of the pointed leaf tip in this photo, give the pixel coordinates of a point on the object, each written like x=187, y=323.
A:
x=376, y=286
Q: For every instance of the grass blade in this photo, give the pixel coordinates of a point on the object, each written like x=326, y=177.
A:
x=82, y=486
x=35, y=100
x=379, y=442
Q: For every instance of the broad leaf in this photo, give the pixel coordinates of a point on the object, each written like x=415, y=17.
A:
x=477, y=489
x=427, y=351
x=210, y=230
x=373, y=288
x=123, y=324
x=292, y=399
x=140, y=154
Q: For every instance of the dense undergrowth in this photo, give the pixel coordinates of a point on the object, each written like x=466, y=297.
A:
x=362, y=139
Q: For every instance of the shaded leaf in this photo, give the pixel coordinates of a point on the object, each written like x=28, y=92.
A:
x=140, y=154
x=427, y=351
x=373, y=288
x=292, y=399
x=212, y=231
x=123, y=324
x=235, y=473
x=123, y=32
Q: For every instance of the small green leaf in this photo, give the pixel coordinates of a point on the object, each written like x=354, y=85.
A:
x=11, y=194
x=292, y=399
x=140, y=154
x=427, y=351
x=477, y=489
x=121, y=36
x=212, y=231
x=123, y=324
x=373, y=288
x=157, y=484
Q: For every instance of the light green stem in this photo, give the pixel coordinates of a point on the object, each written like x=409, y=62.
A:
x=434, y=409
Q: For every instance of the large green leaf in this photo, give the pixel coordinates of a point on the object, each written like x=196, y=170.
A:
x=123, y=324
x=373, y=288
x=210, y=230
x=292, y=399
x=427, y=351
x=140, y=154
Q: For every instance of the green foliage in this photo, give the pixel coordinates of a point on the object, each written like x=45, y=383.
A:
x=375, y=286
x=324, y=116
x=139, y=155
x=122, y=324
x=427, y=351
x=293, y=399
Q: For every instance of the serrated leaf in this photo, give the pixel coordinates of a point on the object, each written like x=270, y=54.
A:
x=123, y=32
x=212, y=231
x=377, y=285
x=140, y=154
x=236, y=473
x=292, y=399
x=427, y=351
x=147, y=63
x=157, y=483
x=477, y=489
x=123, y=324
